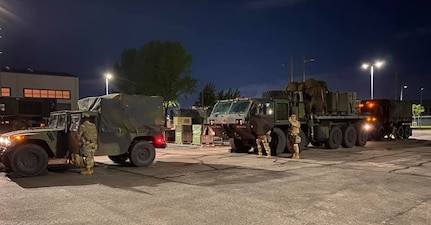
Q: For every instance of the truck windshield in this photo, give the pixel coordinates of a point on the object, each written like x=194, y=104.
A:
x=57, y=121
x=221, y=108
x=52, y=121
x=239, y=107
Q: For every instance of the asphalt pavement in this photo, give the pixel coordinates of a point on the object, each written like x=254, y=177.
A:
x=384, y=182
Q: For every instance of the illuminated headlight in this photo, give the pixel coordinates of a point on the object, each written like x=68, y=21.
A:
x=212, y=122
x=367, y=127
x=4, y=141
x=239, y=121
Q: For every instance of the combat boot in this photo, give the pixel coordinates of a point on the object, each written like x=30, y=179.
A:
x=259, y=155
x=88, y=171
x=295, y=156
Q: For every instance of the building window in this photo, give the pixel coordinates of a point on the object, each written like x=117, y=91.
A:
x=42, y=93
x=5, y=91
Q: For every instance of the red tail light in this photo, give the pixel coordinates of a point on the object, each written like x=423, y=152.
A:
x=159, y=140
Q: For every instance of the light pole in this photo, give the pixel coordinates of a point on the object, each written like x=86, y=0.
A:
x=291, y=68
x=401, y=94
x=420, y=103
x=365, y=66
x=304, y=61
x=107, y=77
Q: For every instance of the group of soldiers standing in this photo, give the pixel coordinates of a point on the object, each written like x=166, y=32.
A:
x=294, y=139
x=84, y=143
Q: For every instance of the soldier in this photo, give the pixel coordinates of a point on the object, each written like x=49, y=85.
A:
x=88, y=143
x=294, y=138
x=76, y=159
x=262, y=139
x=262, y=128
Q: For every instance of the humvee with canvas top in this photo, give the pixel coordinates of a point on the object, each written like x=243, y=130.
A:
x=129, y=127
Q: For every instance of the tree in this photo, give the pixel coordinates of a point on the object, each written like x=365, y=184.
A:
x=207, y=97
x=417, y=110
x=228, y=95
x=157, y=68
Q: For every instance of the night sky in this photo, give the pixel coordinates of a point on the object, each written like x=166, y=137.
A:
x=234, y=44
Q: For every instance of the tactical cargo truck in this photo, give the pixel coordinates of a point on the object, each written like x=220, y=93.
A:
x=388, y=118
x=327, y=118
x=129, y=127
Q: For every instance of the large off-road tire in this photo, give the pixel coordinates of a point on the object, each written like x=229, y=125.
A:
x=407, y=131
x=238, y=146
x=361, y=137
x=29, y=160
x=142, y=154
x=379, y=133
x=400, y=132
x=349, y=136
x=280, y=94
x=335, y=138
x=278, y=141
x=119, y=158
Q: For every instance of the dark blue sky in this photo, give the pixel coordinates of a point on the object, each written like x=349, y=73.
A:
x=238, y=44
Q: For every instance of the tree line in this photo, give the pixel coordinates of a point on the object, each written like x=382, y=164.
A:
x=163, y=69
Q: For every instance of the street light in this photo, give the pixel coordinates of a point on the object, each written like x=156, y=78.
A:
x=365, y=66
x=107, y=77
x=420, y=103
x=401, y=94
x=304, y=60
x=291, y=68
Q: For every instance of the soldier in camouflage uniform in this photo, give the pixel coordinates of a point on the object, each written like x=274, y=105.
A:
x=293, y=134
x=88, y=143
x=263, y=140
x=262, y=129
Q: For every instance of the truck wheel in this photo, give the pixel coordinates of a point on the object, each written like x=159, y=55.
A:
x=407, y=131
x=335, y=138
x=142, y=154
x=238, y=146
x=379, y=133
x=278, y=141
x=400, y=132
x=304, y=141
x=29, y=160
x=362, y=137
x=349, y=136
x=119, y=158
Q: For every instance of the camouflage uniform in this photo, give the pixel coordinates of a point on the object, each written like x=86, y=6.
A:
x=263, y=139
x=293, y=133
x=88, y=142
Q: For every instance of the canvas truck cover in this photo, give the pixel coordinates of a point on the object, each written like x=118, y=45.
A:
x=125, y=113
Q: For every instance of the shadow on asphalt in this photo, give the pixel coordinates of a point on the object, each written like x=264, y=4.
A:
x=126, y=177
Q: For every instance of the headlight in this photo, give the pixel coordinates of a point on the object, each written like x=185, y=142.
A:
x=367, y=127
x=239, y=121
x=4, y=141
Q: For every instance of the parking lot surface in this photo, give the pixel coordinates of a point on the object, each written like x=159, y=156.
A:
x=384, y=182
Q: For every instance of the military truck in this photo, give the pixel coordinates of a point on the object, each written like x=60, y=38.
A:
x=19, y=113
x=129, y=127
x=327, y=118
x=388, y=118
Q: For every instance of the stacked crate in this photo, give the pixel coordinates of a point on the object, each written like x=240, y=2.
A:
x=183, y=130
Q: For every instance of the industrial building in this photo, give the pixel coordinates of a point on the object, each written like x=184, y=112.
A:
x=31, y=83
